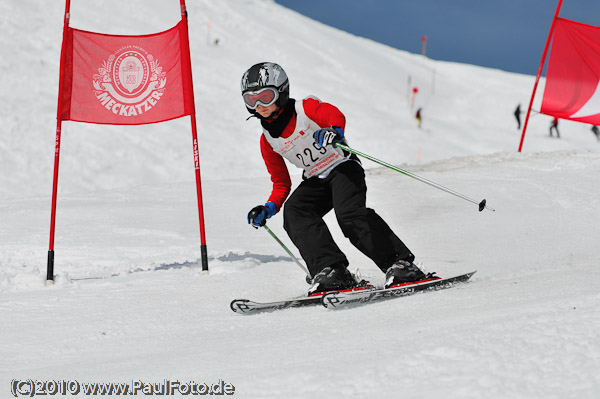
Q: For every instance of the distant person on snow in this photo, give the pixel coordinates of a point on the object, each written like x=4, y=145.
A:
x=518, y=116
x=596, y=132
x=554, y=125
x=418, y=116
x=305, y=133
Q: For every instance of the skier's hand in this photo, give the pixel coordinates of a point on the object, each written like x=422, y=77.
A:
x=258, y=216
x=329, y=135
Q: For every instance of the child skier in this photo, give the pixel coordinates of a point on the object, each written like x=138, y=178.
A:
x=305, y=133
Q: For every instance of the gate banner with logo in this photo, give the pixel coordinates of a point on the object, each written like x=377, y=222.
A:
x=126, y=80
x=573, y=76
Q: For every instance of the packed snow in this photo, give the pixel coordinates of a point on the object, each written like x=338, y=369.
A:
x=130, y=302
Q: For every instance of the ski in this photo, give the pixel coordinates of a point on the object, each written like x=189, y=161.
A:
x=345, y=299
x=341, y=300
x=246, y=306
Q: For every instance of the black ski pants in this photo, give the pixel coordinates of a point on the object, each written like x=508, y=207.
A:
x=345, y=191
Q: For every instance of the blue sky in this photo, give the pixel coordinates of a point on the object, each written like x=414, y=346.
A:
x=504, y=34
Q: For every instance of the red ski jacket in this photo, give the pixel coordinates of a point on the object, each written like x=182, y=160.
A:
x=324, y=115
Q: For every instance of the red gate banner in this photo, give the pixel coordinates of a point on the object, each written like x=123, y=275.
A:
x=126, y=80
x=573, y=76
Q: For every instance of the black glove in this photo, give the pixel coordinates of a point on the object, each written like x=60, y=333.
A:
x=258, y=216
x=329, y=135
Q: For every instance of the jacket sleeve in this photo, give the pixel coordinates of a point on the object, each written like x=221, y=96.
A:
x=282, y=184
x=323, y=113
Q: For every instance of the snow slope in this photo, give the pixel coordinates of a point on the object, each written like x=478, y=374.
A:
x=130, y=302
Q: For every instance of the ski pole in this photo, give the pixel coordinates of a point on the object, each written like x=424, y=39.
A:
x=481, y=204
x=308, y=279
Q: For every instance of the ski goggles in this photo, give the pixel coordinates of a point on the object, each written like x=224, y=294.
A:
x=265, y=97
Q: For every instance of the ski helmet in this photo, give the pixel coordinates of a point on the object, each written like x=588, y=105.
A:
x=263, y=75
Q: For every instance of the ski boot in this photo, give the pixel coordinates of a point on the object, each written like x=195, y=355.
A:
x=336, y=278
x=404, y=272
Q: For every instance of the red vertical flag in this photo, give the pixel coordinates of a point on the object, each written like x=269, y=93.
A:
x=573, y=76
x=126, y=80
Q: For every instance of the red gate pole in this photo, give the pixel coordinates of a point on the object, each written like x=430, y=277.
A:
x=539, y=73
x=50, y=265
x=186, y=52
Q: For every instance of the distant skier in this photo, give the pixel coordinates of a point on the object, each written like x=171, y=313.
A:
x=596, y=132
x=554, y=125
x=305, y=133
x=518, y=116
x=418, y=116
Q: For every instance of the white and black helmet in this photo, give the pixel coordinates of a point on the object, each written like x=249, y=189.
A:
x=261, y=76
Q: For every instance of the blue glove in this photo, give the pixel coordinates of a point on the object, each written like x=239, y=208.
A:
x=258, y=216
x=329, y=135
